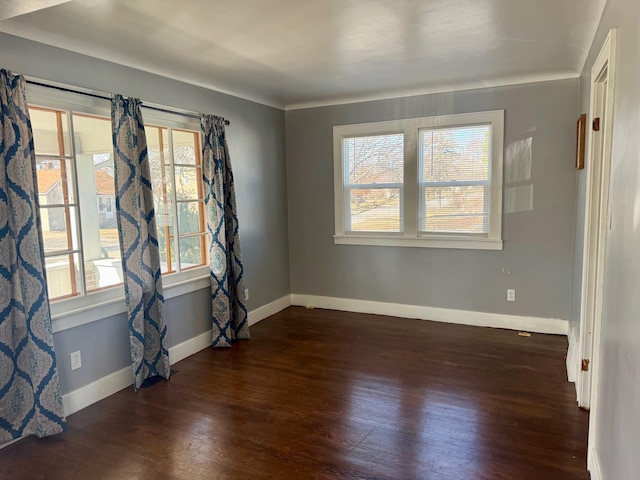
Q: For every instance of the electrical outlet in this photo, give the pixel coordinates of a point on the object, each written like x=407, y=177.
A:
x=246, y=294
x=76, y=360
x=511, y=295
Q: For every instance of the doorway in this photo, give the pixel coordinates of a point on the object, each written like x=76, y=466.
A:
x=597, y=225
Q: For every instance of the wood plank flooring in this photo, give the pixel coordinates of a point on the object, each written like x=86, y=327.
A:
x=319, y=394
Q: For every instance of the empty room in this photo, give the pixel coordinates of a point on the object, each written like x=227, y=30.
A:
x=319, y=239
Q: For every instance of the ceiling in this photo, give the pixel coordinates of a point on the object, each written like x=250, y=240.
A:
x=295, y=53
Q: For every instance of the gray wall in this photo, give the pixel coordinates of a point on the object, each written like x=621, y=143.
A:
x=537, y=255
x=618, y=410
x=105, y=344
x=256, y=142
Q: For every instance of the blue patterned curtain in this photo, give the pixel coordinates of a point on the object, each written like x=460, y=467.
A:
x=30, y=397
x=228, y=309
x=138, y=243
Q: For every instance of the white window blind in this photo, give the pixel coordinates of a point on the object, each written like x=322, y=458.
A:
x=420, y=182
x=454, y=178
x=374, y=176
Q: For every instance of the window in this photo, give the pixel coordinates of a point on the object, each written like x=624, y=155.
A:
x=76, y=192
x=374, y=171
x=422, y=182
x=76, y=260
x=178, y=196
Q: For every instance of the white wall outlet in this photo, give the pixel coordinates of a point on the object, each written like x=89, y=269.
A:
x=246, y=294
x=511, y=295
x=76, y=360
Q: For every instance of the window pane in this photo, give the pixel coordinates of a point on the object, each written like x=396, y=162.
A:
x=96, y=188
x=375, y=210
x=92, y=135
x=48, y=126
x=184, y=147
x=167, y=250
x=455, y=209
x=159, y=159
x=104, y=269
x=191, y=251
x=55, y=181
x=188, y=183
x=59, y=230
x=458, y=153
x=157, y=137
x=164, y=214
x=375, y=159
x=160, y=178
x=62, y=276
x=189, y=217
x=158, y=149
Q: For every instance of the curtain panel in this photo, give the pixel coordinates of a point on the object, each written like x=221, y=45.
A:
x=138, y=243
x=228, y=305
x=30, y=395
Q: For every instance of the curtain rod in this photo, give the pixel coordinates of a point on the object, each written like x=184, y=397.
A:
x=104, y=97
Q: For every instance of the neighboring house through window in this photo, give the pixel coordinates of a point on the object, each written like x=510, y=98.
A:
x=76, y=192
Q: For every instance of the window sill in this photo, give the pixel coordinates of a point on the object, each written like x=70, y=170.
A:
x=467, y=243
x=74, y=312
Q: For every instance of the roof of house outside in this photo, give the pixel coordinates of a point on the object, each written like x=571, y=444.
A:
x=104, y=183
x=49, y=178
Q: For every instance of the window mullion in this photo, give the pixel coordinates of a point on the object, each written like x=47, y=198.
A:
x=76, y=196
x=53, y=157
x=174, y=200
x=410, y=192
x=374, y=186
x=165, y=201
x=58, y=205
x=197, y=139
x=456, y=183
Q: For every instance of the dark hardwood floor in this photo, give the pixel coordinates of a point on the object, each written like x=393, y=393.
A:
x=319, y=394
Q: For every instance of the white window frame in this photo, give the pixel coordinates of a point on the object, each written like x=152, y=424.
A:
x=96, y=305
x=410, y=236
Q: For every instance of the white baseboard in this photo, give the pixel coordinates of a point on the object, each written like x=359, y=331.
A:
x=269, y=309
x=189, y=347
x=464, y=317
x=573, y=356
x=96, y=391
x=593, y=464
x=11, y=442
x=116, y=381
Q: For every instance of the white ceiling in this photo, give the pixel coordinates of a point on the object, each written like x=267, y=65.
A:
x=292, y=53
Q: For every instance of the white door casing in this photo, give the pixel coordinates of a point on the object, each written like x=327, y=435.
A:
x=597, y=224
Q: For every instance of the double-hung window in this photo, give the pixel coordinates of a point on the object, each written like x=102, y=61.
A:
x=420, y=182
x=77, y=198
x=373, y=182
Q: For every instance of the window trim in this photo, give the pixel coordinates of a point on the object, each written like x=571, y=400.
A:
x=71, y=312
x=411, y=236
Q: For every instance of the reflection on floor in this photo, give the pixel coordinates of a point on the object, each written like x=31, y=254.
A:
x=321, y=394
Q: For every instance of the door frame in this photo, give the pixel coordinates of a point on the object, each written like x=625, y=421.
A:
x=597, y=224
